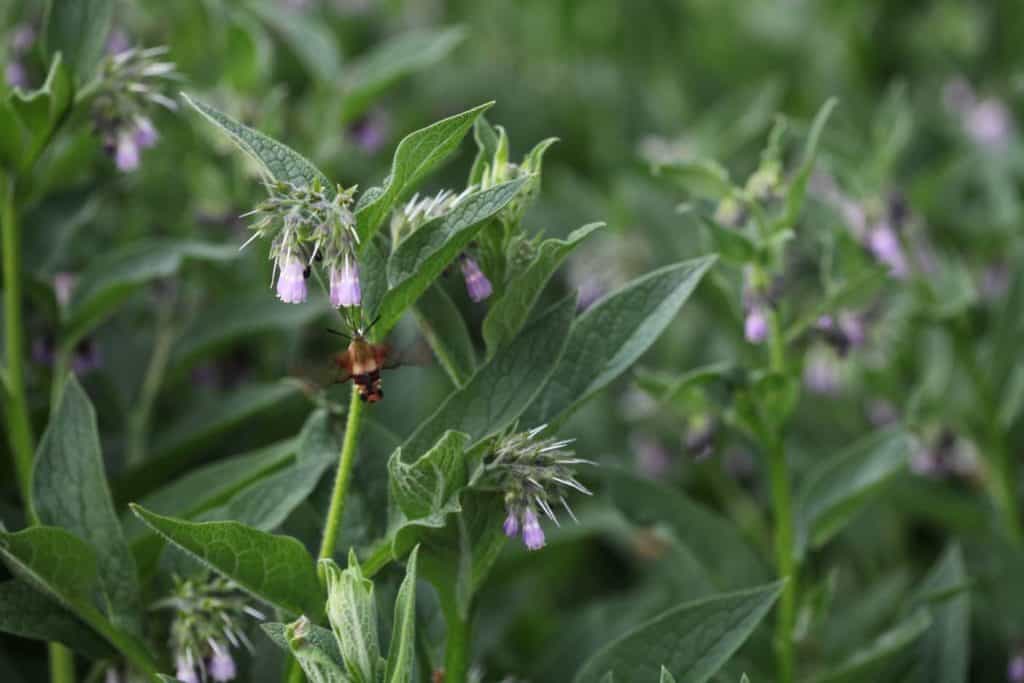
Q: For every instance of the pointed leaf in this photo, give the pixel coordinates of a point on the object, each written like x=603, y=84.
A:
x=500, y=390
x=944, y=652
x=445, y=330
x=41, y=111
x=692, y=641
x=403, y=634
x=838, y=488
x=78, y=31
x=798, y=187
x=425, y=486
x=613, y=334
x=869, y=663
x=507, y=315
x=69, y=490
x=417, y=154
x=276, y=569
x=278, y=161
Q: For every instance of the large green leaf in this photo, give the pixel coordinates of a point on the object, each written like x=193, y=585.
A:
x=944, y=652
x=426, y=486
x=715, y=542
x=370, y=74
x=27, y=613
x=276, y=569
x=446, y=332
x=611, y=335
x=113, y=276
x=278, y=161
x=508, y=314
x=78, y=31
x=692, y=641
x=69, y=490
x=417, y=154
x=869, y=662
x=312, y=41
x=243, y=318
x=268, y=502
x=839, y=487
x=500, y=390
x=420, y=258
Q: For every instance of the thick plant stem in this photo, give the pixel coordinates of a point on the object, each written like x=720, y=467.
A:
x=19, y=427
x=456, y=651
x=345, y=462
x=62, y=664
x=782, y=507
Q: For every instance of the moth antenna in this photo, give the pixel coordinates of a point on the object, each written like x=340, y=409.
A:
x=340, y=334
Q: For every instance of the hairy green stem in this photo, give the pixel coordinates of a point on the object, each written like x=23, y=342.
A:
x=62, y=664
x=341, y=480
x=782, y=507
x=19, y=426
x=456, y=651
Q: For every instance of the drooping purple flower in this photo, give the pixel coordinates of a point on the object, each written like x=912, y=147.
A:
x=852, y=327
x=23, y=38
x=650, y=456
x=118, y=42
x=988, y=123
x=1015, y=668
x=87, y=357
x=221, y=666
x=291, y=281
x=145, y=132
x=533, y=534
x=185, y=671
x=370, y=132
x=885, y=246
x=477, y=284
x=16, y=75
x=822, y=373
x=345, y=289
x=511, y=525
x=755, y=325
x=126, y=154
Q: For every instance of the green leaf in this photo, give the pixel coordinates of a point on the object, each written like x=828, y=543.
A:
x=500, y=390
x=446, y=332
x=55, y=562
x=78, y=31
x=869, y=663
x=276, y=569
x=714, y=541
x=27, y=613
x=839, y=487
x=267, y=503
x=311, y=41
x=417, y=154
x=403, y=633
x=732, y=244
x=352, y=611
x=945, y=649
x=613, y=334
x=487, y=143
x=69, y=490
x=318, y=637
x=114, y=276
x=426, y=486
x=242, y=318
x=798, y=187
x=700, y=177
x=666, y=677
x=508, y=314
x=315, y=657
x=420, y=258
x=692, y=641
x=369, y=75
x=41, y=111
x=278, y=161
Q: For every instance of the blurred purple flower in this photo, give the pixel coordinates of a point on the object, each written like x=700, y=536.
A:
x=22, y=38
x=755, y=324
x=881, y=412
x=995, y=281
x=1015, y=668
x=126, y=155
x=145, y=133
x=370, y=131
x=291, y=280
x=477, y=284
x=988, y=123
x=185, y=671
x=650, y=456
x=87, y=357
x=822, y=372
x=884, y=244
x=16, y=75
x=63, y=286
x=118, y=42
x=511, y=525
x=221, y=666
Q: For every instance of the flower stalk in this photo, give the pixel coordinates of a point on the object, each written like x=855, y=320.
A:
x=346, y=459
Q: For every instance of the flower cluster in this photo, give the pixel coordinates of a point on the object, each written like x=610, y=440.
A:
x=20, y=43
x=130, y=82
x=207, y=624
x=533, y=473
x=308, y=225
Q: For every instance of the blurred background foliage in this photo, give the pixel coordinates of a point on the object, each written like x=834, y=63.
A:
x=619, y=83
